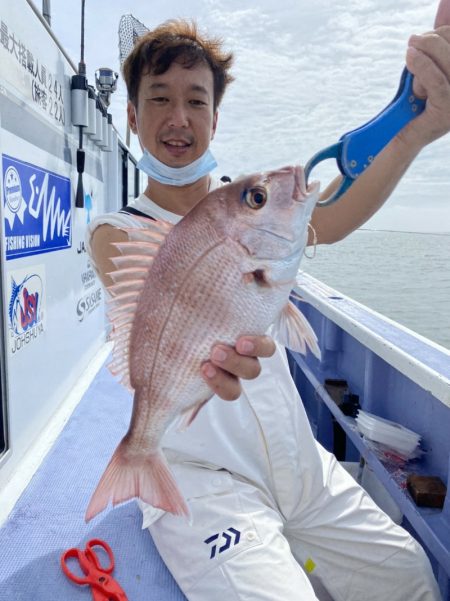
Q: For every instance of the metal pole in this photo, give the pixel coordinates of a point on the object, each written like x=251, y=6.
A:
x=82, y=64
x=46, y=11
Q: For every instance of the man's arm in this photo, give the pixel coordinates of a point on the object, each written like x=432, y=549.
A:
x=428, y=59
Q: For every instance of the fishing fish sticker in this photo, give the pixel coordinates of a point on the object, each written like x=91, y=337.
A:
x=26, y=307
x=36, y=209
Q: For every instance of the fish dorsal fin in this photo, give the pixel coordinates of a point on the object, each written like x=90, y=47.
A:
x=131, y=271
x=293, y=330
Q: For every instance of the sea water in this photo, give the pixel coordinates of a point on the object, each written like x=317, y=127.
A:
x=404, y=276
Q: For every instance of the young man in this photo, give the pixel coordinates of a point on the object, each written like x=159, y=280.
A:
x=252, y=468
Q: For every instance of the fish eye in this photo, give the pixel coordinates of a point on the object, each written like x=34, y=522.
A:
x=255, y=197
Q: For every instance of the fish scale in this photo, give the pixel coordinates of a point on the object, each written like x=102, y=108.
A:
x=215, y=306
x=202, y=338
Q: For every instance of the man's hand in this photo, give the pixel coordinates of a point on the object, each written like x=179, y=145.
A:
x=428, y=59
x=227, y=365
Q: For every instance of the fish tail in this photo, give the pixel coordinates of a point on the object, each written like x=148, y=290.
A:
x=147, y=477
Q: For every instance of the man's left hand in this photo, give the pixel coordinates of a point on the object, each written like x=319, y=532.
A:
x=428, y=59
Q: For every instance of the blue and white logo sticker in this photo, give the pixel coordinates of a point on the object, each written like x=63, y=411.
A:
x=14, y=202
x=26, y=306
x=37, y=209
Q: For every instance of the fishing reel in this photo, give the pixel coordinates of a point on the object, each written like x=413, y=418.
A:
x=106, y=83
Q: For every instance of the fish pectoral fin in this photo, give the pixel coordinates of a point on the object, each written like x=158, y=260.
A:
x=293, y=330
x=187, y=416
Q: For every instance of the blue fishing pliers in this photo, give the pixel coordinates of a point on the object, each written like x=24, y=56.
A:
x=357, y=148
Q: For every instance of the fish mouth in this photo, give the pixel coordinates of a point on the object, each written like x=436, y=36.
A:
x=300, y=190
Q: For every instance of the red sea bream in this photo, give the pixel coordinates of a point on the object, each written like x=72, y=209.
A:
x=223, y=271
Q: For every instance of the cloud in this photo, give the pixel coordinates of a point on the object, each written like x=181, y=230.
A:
x=305, y=74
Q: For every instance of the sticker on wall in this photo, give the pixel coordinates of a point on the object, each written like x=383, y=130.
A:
x=92, y=297
x=36, y=209
x=26, y=306
x=88, y=276
x=88, y=303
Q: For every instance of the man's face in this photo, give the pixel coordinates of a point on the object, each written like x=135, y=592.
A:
x=175, y=118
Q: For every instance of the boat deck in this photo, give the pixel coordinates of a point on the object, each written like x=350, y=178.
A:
x=49, y=516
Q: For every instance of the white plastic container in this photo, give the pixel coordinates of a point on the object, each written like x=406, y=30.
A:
x=388, y=433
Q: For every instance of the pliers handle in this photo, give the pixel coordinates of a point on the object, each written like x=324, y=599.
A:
x=356, y=149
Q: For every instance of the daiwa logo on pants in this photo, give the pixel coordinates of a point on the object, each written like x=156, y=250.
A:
x=227, y=539
x=37, y=209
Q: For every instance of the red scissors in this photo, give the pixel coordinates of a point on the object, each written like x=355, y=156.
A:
x=104, y=587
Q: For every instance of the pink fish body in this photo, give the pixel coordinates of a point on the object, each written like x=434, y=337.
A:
x=223, y=271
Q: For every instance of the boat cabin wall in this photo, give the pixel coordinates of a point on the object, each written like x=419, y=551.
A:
x=52, y=301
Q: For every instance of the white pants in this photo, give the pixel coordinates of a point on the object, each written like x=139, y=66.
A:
x=240, y=547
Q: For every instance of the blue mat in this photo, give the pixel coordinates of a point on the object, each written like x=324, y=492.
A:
x=49, y=516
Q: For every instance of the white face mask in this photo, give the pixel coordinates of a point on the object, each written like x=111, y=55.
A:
x=177, y=176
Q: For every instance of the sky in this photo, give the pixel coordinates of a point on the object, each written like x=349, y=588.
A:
x=306, y=72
